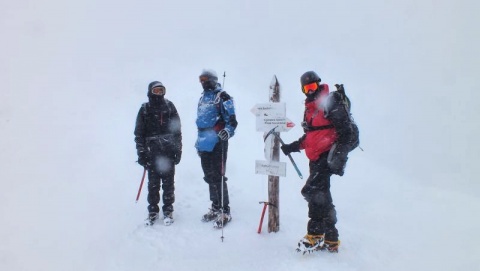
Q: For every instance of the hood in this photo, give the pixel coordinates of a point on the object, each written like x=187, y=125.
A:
x=152, y=85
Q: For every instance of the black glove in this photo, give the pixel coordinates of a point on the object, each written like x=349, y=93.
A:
x=223, y=135
x=143, y=159
x=178, y=157
x=292, y=147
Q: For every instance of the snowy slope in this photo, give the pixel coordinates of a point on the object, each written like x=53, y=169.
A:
x=75, y=74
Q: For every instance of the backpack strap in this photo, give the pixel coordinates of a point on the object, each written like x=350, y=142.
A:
x=167, y=102
x=317, y=128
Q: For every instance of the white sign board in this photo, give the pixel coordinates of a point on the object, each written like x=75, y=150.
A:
x=267, y=124
x=271, y=168
x=271, y=115
x=271, y=110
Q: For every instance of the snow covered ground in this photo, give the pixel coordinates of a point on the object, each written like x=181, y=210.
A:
x=75, y=74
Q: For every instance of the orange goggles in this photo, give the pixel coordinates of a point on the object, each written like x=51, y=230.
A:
x=158, y=90
x=204, y=79
x=312, y=87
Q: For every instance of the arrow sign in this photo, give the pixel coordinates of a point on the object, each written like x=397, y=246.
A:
x=264, y=124
x=271, y=110
x=271, y=168
x=270, y=115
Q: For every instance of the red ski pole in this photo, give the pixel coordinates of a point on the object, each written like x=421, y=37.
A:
x=141, y=184
x=263, y=215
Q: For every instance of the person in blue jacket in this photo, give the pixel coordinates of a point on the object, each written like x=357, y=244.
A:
x=216, y=123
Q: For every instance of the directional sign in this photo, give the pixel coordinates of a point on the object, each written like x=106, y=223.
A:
x=271, y=168
x=270, y=115
x=267, y=124
x=271, y=110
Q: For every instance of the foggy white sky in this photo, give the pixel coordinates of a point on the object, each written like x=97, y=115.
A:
x=74, y=73
x=410, y=67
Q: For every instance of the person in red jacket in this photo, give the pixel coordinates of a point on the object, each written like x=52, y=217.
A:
x=330, y=134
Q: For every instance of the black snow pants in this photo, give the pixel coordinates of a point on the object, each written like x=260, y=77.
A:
x=316, y=191
x=214, y=168
x=161, y=176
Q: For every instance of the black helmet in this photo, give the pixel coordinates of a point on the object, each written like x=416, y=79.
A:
x=309, y=77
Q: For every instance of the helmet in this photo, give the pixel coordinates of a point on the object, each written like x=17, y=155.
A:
x=309, y=77
x=208, y=79
x=210, y=74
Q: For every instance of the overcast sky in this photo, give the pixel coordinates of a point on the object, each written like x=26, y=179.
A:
x=73, y=75
x=410, y=67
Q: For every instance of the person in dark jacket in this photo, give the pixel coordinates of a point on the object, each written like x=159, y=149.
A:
x=158, y=139
x=216, y=124
x=329, y=134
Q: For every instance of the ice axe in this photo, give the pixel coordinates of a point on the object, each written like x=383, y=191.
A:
x=141, y=184
x=265, y=204
x=272, y=132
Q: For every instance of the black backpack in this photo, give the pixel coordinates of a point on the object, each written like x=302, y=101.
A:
x=340, y=106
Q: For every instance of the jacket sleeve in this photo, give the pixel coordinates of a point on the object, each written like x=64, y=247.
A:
x=228, y=113
x=300, y=141
x=140, y=131
x=176, y=128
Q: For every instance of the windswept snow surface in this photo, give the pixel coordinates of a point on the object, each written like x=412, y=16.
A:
x=74, y=75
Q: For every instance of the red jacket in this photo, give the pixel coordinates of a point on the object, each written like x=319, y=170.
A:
x=319, y=134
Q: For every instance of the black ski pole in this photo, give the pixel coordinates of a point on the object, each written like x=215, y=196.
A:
x=223, y=165
x=223, y=180
x=223, y=84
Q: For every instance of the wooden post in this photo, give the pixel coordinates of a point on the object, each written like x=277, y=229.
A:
x=273, y=181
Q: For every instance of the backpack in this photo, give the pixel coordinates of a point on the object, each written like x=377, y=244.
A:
x=338, y=155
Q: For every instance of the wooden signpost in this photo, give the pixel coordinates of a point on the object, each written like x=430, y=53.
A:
x=272, y=116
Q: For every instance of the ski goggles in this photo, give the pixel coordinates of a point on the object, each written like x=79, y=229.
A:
x=158, y=90
x=312, y=87
x=204, y=79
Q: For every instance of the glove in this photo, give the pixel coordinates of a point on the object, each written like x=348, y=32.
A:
x=143, y=159
x=223, y=135
x=178, y=157
x=292, y=147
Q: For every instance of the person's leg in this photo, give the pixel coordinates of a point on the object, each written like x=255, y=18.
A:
x=153, y=197
x=168, y=187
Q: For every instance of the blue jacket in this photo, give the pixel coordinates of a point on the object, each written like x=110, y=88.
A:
x=216, y=111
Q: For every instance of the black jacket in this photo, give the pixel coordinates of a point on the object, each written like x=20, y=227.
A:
x=158, y=129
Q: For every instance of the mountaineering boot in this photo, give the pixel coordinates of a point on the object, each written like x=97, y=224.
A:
x=310, y=243
x=211, y=215
x=167, y=219
x=152, y=217
x=331, y=246
x=222, y=220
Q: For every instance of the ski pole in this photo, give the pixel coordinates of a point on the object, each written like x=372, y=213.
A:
x=141, y=184
x=223, y=164
x=265, y=204
x=223, y=84
x=223, y=180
